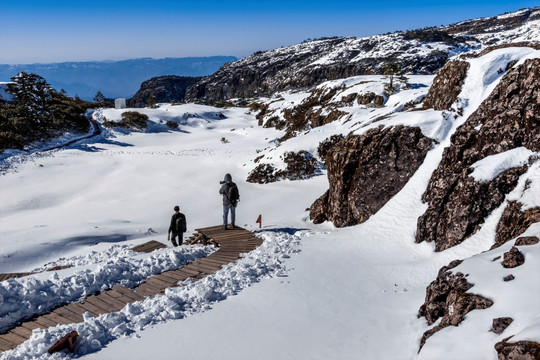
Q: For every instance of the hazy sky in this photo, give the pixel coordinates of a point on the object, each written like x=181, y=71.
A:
x=78, y=30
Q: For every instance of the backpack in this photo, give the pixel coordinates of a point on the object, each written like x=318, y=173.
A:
x=181, y=223
x=233, y=194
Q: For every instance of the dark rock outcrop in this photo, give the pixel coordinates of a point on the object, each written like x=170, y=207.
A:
x=500, y=324
x=514, y=222
x=520, y=350
x=446, y=86
x=509, y=118
x=299, y=165
x=366, y=171
x=447, y=298
x=513, y=258
x=163, y=89
x=527, y=240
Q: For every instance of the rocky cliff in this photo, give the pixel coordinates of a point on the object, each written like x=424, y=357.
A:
x=509, y=118
x=162, y=89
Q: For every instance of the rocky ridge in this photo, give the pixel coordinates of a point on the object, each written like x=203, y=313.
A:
x=163, y=89
x=301, y=66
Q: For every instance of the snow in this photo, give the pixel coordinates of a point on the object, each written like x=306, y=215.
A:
x=492, y=166
x=310, y=291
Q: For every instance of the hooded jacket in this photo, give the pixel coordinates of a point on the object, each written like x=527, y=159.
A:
x=225, y=189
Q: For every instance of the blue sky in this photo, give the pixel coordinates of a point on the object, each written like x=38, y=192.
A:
x=58, y=30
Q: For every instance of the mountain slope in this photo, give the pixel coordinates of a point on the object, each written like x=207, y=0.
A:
x=415, y=52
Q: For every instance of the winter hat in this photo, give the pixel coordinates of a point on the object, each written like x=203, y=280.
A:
x=228, y=178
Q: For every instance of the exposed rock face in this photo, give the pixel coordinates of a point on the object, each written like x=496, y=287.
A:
x=447, y=298
x=509, y=118
x=366, y=171
x=169, y=88
x=521, y=350
x=446, y=86
x=513, y=258
x=514, y=222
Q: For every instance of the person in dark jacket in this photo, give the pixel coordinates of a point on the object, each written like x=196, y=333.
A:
x=178, y=227
x=229, y=192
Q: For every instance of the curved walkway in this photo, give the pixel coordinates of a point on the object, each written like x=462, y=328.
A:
x=232, y=243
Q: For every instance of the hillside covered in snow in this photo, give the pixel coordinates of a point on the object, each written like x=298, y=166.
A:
x=400, y=214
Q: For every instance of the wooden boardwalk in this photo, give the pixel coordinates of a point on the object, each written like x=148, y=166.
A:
x=232, y=243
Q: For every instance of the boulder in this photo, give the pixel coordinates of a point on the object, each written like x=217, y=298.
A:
x=365, y=171
x=513, y=258
x=447, y=298
x=514, y=222
x=500, y=324
x=520, y=350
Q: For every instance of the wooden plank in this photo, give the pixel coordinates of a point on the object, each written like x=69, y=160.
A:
x=13, y=338
x=158, y=283
x=94, y=300
x=157, y=289
x=75, y=318
x=121, y=297
x=215, y=261
x=6, y=344
x=207, y=265
x=32, y=325
x=128, y=292
x=59, y=319
x=92, y=309
x=191, y=272
x=147, y=290
x=22, y=332
x=223, y=255
x=45, y=322
x=116, y=303
x=200, y=269
x=79, y=309
x=175, y=276
x=168, y=278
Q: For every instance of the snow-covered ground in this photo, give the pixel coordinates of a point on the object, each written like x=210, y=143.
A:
x=309, y=292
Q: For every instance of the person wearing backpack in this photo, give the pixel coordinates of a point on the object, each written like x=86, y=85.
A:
x=231, y=196
x=178, y=227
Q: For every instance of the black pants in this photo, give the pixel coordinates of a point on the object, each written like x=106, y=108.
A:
x=180, y=238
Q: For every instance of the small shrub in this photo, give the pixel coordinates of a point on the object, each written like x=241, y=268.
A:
x=134, y=119
x=262, y=174
x=171, y=124
x=300, y=165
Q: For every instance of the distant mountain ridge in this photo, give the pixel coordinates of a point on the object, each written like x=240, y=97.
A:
x=421, y=51
x=114, y=78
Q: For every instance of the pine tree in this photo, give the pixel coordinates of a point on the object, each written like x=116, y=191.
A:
x=31, y=95
x=99, y=98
